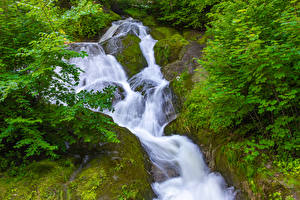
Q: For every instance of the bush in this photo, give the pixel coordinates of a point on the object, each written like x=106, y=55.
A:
x=30, y=126
x=253, y=85
x=184, y=13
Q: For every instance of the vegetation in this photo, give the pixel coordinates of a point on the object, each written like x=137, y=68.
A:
x=131, y=57
x=119, y=172
x=35, y=81
x=184, y=13
x=253, y=83
x=251, y=92
x=250, y=96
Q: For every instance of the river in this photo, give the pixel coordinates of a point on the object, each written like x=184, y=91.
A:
x=144, y=106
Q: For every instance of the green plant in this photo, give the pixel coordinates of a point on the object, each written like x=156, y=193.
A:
x=30, y=126
x=184, y=13
x=128, y=193
x=253, y=69
x=252, y=89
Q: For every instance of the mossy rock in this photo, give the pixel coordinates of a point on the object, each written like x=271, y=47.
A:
x=42, y=180
x=131, y=56
x=203, y=39
x=113, y=17
x=163, y=32
x=197, y=36
x=120, y=172
x=192, y=35
x=149, y=21
x=136, y=13
x=168, y=50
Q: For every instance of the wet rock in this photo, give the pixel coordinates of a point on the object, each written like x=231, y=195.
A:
x=130, y=55
x=122, y=164
x=161, y=176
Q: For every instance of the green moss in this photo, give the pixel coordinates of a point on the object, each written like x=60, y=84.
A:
x=149, y=21
x=168, y=50
x=119, y=172
x=203, y=40
x=122, y=174
x=136, y=13
x=42, y=180
x=163, y=32
x=131, y=56
x=192, y=35
x=113, y=17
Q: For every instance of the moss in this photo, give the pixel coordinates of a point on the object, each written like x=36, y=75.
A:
x=41, y=180
x=113, y=17
x=117, y=174
x=192, y=35
x=203, y=40
x=168, y=50
x=136, y=13
x=149, y=21
x=163, y=32
x=131, y=56
x=120, y=172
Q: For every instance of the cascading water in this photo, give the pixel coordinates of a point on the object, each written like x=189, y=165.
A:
x=145, y=108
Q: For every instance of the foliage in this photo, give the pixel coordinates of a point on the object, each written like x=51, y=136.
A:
x=34, y=75
x=253, y=84
x=86, y=18
x=123, y=5
x=83, y=20
x=128, y=192
x=184, y=13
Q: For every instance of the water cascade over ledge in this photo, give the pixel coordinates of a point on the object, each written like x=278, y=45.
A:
x=144, y=106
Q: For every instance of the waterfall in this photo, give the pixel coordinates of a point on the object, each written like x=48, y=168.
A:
x=145, y=112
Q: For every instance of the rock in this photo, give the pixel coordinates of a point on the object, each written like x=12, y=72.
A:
x=187, y=62
x=192, y=35
x=168, y=50
x=162, y=32
x=118, y=171
x=130, y=55
x=149, y=21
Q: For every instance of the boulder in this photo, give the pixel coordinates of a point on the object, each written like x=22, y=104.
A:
x=130, y=55
x=168, y=50
x=117, y=171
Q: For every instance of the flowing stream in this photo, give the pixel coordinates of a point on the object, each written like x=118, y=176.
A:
x=143, y=104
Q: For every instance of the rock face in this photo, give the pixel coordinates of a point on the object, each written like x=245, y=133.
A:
x=117, y=171
x=186, y=62
x=168, y=50
x=121, y=172
x=130, y=55
x=177, y=53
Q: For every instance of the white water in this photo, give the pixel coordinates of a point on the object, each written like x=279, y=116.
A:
x=145, y=109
